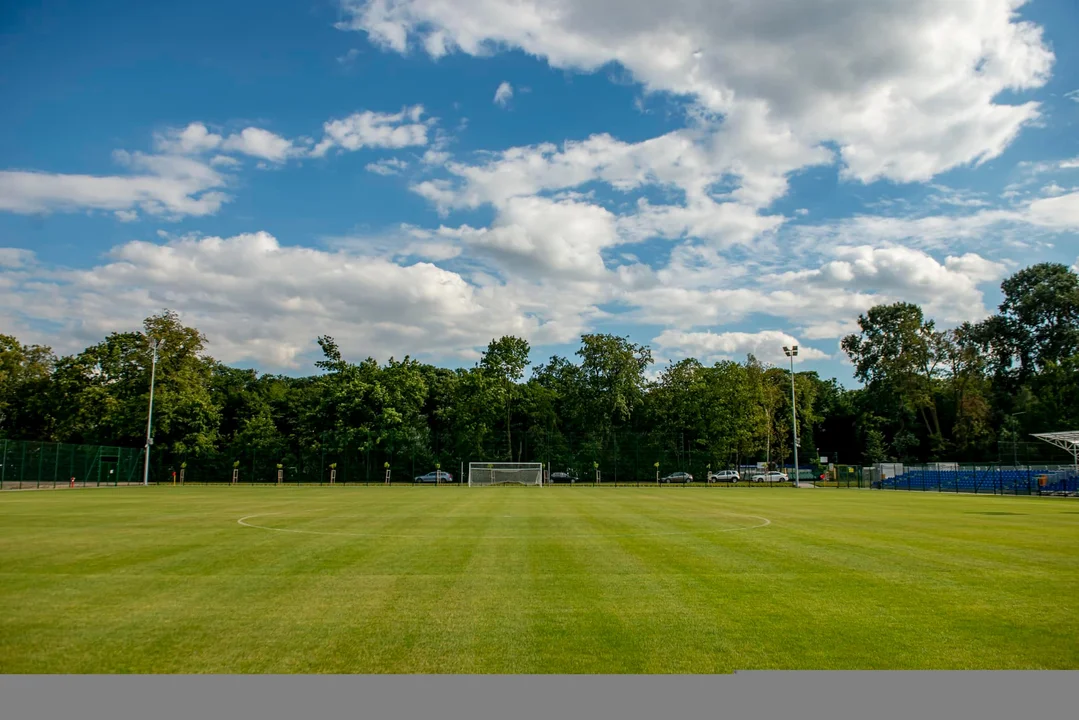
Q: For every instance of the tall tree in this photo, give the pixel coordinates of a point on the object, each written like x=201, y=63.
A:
x=898, y=349
x=1040, y=311
x=613, y=369
x=25, y=378
x=506, y=359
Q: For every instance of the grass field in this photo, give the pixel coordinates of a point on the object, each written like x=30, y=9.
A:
x=533, y=580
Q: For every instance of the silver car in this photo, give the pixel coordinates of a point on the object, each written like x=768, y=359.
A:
x=731, y=476
x=433, y=476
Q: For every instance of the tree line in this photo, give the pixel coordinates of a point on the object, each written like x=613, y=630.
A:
x=970, y=393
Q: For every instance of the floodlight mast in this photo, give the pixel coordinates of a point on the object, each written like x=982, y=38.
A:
x=792, y=352
x=154, y=345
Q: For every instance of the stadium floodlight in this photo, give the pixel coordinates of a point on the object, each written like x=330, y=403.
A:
x=155, y=344
x=792, y=352
x=481, y=474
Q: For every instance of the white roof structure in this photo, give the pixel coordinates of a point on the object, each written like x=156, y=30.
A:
x=1068, y=440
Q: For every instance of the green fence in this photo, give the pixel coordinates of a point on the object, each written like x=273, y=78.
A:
x=28, y=465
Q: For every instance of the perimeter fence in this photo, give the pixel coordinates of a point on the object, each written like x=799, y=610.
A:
x=38, y=465
x=26, y=465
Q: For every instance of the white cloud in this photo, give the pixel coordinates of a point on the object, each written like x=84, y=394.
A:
x=406, y=242
x=747, y=148
x=258, y=300
x=126, y=215
x=359, y=130
x=1061, y=212
x=975, y=268
x=260, y=143
x=830, y=329
x=349, y=57
x=503, y=94
x=161, y=185
x=701, y=289
x=374, y=129
x=539, y=237
x=1072, y=95
x=766, y=345
x=435, y=157
x=191, y=140
x=440, y=192
x=936, y=232
x=906, y=89
x=724, y=224
x=388, y=166
x=224, y=161
x=747, y=154
x=948, y=291
x=16, y=257
x=196, y=139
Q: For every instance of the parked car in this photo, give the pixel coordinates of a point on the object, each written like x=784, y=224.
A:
x=773, y=476
x=433, y=476
x=678, y=477
x=731, y=476
x=563, y=477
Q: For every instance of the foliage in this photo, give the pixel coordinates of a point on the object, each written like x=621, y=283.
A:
x=927, y=394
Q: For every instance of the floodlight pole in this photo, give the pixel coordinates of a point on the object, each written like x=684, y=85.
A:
x=791, y=352
x=1015, y=438
x=154, y=345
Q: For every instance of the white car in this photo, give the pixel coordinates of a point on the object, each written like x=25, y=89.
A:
x=725, y=476
x=773, y=476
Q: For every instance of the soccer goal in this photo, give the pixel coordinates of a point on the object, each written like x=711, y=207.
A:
x=504, y=473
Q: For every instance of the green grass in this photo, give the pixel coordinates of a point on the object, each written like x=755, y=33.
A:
x=533, y=580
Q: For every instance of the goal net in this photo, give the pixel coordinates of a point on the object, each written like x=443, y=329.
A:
x=481, y=474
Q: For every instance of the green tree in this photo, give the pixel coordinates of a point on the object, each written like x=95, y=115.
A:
x=613, y=380
x=105, y=390
x=505, y=360
x=25, y=383
x=899, y=351
x=1040, y=313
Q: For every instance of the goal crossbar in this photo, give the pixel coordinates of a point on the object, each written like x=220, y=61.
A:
x=482, y=474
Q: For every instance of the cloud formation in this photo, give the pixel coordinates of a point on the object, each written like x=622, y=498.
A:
x=370, y=129
x=258, y=300
x=503, y=94
x=157, y=184
x=905, y=89
x=766, y=345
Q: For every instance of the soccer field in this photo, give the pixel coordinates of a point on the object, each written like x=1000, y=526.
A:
x=533, y=580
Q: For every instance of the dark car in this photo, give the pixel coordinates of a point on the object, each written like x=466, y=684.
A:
x=677, y=477
x=562, y=477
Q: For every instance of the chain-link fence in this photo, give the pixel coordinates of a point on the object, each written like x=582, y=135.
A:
x=28, y=465
x=624, y=460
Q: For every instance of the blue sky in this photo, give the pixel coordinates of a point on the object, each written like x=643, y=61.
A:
x=416, y=177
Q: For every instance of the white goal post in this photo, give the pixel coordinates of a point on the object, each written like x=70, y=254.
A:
x=481, y=474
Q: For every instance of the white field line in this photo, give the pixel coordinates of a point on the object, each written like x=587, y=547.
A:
x=243, y=521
